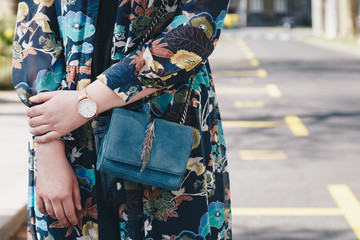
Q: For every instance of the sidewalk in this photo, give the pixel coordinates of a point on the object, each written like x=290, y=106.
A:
x=332, y=45
x=299, y=34
x=13, y=173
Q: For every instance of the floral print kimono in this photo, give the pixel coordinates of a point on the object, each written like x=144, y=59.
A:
x=53, y=50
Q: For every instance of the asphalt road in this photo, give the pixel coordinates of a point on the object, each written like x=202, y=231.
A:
x=291, y=119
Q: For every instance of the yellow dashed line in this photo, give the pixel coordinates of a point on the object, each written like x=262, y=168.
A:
x=348, y=203
x=251, y=155
x=251, y=124
x=261, y=73
x=248, y=53
x=249, y=104
x=242, y=80
x=273, y=90
x=293, y=122
x=254, y=62
x=296, y=126
x=241, y=91
x=241, y=43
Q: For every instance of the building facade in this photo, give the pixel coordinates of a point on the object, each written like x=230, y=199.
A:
x=276, y=12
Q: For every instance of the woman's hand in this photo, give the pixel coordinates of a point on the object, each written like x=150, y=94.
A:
x=58, y=113
x=57, y=190
x=56, y=116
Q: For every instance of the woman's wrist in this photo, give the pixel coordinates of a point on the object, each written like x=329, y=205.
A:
x=103, y=96
x=106, y=99
x=53, y=148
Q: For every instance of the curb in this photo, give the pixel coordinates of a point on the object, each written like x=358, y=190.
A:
x=9, y=225
x=348, y=49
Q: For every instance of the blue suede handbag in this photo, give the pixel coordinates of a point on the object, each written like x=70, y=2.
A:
x=149, y=151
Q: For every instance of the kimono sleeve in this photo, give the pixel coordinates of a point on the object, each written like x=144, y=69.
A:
x=174, y=55
x=37, y=63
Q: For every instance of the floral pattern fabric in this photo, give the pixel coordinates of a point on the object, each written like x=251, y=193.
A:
x=53, y=50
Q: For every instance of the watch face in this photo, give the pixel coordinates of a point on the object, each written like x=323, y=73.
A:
x=87, y=108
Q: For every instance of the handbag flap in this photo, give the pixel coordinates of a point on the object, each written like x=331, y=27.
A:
x=171, y=147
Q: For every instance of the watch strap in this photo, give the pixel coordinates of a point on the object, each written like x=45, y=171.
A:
x=82, y=94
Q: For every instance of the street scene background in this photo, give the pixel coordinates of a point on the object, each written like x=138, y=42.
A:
x=287, y=81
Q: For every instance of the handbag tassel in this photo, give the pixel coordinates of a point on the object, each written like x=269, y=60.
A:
x=147, y=145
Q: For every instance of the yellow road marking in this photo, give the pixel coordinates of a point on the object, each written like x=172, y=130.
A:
x=251, y=155
x=248, y=53
x=241, y=43
x=293, y=122
x=273, y=90
x=242, y=80
x=261, y=73
x=348, y=203
x=348, y=206
x=254, y=62
x=286, y=212
x=296, y=126
x=251, y=124
x=241, y=91
x=249, y=104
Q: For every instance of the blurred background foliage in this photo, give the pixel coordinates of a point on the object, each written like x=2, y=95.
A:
x=7, y=27
x=7, y=23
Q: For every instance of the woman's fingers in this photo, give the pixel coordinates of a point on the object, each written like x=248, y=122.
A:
x=35, y=121
x=40, y=205
x=49, y=208
x=40, y=129
x=42, y=97
x=77, y=196
x=34, y=111
x=69, y=210
x=47, y=137
x=59, y=212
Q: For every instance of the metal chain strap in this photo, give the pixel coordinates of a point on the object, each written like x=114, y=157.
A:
x=156, y=19
x=188, y=98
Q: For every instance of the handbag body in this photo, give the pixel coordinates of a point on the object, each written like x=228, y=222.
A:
x=120, y=152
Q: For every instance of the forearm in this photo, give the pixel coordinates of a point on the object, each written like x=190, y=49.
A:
x=53, y=148
x=106, y=98
x=57, y=190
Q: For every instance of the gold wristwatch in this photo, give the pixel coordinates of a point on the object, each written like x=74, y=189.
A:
x=86, y=107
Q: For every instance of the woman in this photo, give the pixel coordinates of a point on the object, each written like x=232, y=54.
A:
x=63, y=47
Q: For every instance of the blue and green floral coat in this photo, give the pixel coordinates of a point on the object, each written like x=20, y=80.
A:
x=53, y=50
